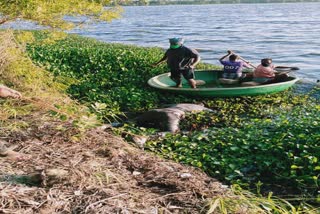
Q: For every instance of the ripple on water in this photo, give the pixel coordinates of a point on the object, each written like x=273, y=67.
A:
x=288, y=33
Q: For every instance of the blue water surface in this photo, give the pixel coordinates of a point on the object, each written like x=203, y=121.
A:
x=286, y=32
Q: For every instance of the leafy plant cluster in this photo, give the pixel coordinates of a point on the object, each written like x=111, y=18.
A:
x=234, y=111
x=113, y=74
x=53, y=13
x=280, y=150
x=273, y=139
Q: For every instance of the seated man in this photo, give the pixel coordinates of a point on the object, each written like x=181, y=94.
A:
x=8, y=92
x=265, y=74
x=232, y=69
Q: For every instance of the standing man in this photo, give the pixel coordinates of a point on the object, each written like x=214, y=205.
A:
x=181, y=61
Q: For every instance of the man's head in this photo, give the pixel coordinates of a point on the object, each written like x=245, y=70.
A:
x=176, y=42
x=233, y=57
x=266, y=62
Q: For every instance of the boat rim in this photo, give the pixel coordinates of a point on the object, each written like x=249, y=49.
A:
x=158, y=84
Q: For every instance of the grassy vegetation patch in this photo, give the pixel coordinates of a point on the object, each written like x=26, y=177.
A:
x=273, y=139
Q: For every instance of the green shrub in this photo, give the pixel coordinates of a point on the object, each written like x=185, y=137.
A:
x=107, y=73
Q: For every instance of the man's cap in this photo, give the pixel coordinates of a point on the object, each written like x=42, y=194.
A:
x=176, y=42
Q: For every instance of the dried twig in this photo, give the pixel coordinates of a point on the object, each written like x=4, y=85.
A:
x=103, y=200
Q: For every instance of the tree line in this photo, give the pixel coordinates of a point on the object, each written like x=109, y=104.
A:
x=167, y=2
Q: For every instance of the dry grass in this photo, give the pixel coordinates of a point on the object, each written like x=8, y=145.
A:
x=74, y=169
x=5, y=56
x=99, y=174
x=40, y=92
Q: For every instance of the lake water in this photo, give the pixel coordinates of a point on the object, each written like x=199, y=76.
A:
x=286, y=32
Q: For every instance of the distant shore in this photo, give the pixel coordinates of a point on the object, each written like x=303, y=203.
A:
x=195, y=2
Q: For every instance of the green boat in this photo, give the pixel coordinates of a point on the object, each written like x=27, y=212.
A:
x=212, y=88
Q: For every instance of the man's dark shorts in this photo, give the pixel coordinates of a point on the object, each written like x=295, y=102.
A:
x=186, y=73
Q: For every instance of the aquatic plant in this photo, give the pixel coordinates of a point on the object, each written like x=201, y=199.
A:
x=271, y=139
